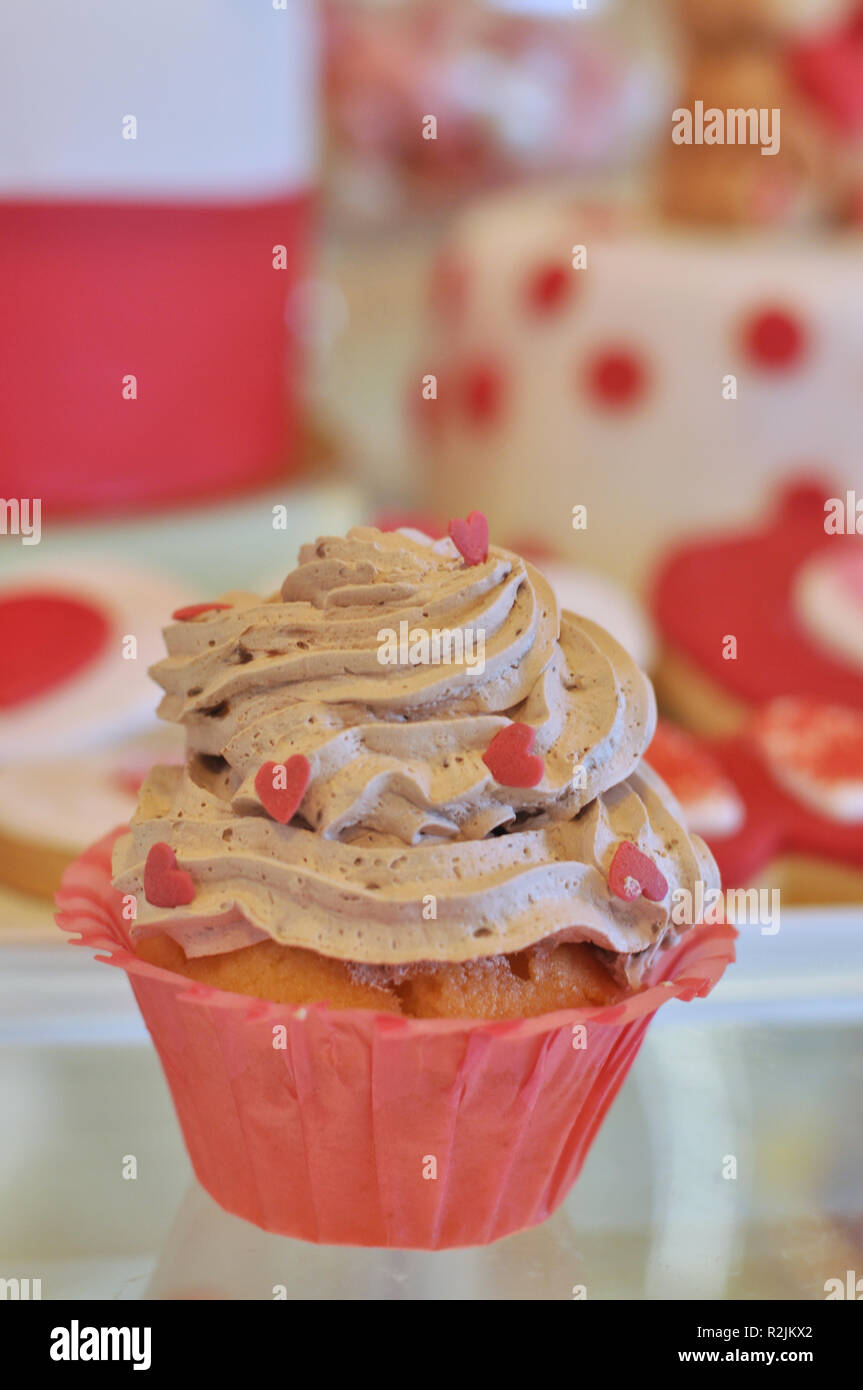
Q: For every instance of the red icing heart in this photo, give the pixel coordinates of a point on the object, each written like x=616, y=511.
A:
x=509, y=759
x=470, y=538
x=46, y=638
x=282, y=802
x=166, y=885
x=632, y=874
x=182, y=615
x=744, y=582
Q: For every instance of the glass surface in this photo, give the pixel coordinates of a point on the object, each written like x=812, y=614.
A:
x=767, y=1072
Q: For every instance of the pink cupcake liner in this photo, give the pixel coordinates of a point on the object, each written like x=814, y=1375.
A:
x=372, y=1129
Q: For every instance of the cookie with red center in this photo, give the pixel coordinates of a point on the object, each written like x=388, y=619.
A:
x=47, y=637
x=743, y=584
x=709, y=800
x=816, y=752
x=76, y=642
x=796, y=771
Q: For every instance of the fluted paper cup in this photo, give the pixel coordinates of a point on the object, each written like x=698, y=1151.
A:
x=359, y=1128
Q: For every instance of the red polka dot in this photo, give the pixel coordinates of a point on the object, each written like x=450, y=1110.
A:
x=482, y=393
x=46, y=638
x=774, y=339
x=548, y=288
x=616, y=378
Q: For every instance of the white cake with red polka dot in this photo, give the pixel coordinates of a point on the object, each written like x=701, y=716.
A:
x=664, y=386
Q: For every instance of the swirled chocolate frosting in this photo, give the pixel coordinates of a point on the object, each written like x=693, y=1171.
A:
x=405, y=847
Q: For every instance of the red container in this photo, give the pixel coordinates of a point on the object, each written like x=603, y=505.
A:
x=182, y=297
x=148, y=171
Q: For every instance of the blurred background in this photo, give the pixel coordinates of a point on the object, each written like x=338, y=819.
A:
x=271, y=271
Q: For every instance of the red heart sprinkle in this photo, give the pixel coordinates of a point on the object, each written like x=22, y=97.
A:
x=166, y=885
x=182, y=615
x=632, y=874
x=470, y=538
x=509, y=759
x=775, y=339
x=281, y=802
x=46, y=638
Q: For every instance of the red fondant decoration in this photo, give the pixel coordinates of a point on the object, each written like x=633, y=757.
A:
x=632, y=873
x=774, y=339
x=742, y=584
x=282, y=803
x=509, y=759
x=616, y=379
x=482, y=393
x=166, y=885
x=549, y=288
x=776, y=822
x=182, y=615
x=685, y=765
x=46, y=638
x=470, y=538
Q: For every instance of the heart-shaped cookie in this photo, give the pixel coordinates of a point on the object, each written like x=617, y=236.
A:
x=165, y=884
x=282, y=786
x=633, y=874
x=470, y=538
x=509, y=759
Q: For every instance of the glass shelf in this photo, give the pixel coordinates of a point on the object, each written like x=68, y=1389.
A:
x=767, y=1072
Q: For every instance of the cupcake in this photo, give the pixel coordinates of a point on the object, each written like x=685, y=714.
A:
x=398, y=924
